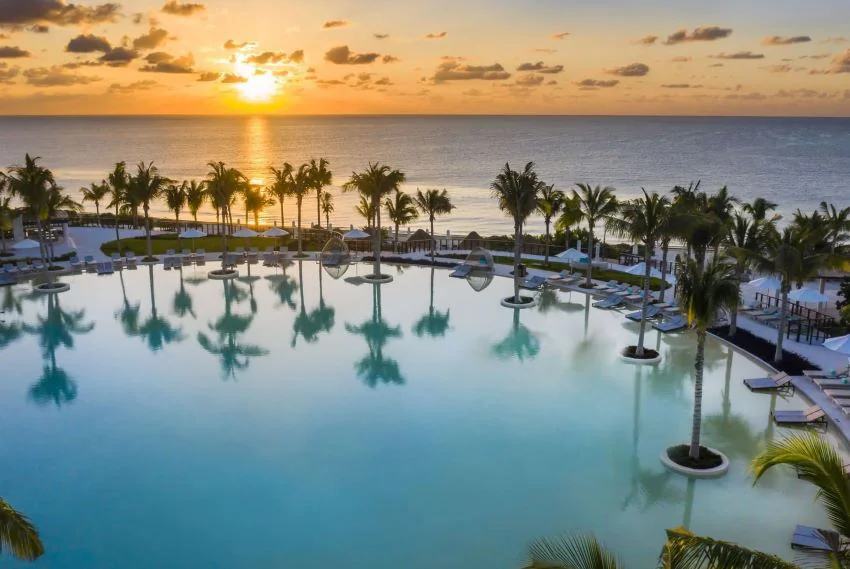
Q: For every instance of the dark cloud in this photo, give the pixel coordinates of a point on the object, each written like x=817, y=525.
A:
x=56, y=12
x=38, y=29
x=230, y=44
x=708, y=33
x=341, y=55
x=182, y=8
x=560, y=36
x=209, y=76
x=390, y=59
x=782, y=68
x=452, y=70
x=381, y=36
x=138, y=18
x=88, y=43
x=232, y=78
x=151, y=40
x=56, y=77
x=540, y=67
x=739, y=55
x=747, y=96
x=647, y=40
x=680, y=86
x=135, y=86
x=716, y=65
x=681, y=59
x=335, y=24
x=631, y=70
x=552, y=82
x=841, y=63
x=598, y=83
x=544, y=50
x=268, y=57
x=12, y=52
x=329, y=82
x=171, y=65
x=530, y=80
x=779, y=40
x=297, y=56
x=384, y=81
x=472, y=93
x=158, y=57
x=816, y=56
x=119, y=56
x=7, y=74
x=437, y=36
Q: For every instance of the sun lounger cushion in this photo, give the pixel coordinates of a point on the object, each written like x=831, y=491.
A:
x=461, y=271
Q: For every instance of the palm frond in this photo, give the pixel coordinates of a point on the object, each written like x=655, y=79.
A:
x=684, y=550
x=18, y=535
x=571, y=552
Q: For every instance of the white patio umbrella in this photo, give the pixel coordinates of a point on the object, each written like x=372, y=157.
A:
x=841, y=344
x=275, y=232
x=573, y=256
x=25, y=244
x=766, y=283
x=640, y=270
x=355, y=234
x=807, y=295
x=245, y=232
x=192, y=234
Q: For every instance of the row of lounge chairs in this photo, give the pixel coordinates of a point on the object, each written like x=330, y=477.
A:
x=781, y=382
x=22, y=268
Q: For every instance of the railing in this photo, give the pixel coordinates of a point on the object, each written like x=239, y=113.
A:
x=806, y=323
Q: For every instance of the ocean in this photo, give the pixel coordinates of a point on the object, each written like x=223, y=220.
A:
x=797, y=162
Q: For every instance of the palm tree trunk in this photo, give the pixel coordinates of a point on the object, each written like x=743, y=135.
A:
x=783, y=320
x=517, y=258
x=97, y=213
x=645, y=302
x=328, y=222
x=282, y=224
x=42, y=251
x=589, y=283
x=223, y=239
x=698, y=368
x=177, y=221
x=319, y=206
x=433, y=243
x=548, y=241
x=733, y=318
x=148, y=232
x=257, y=220
x=665, y=247
x=376, y=240
x=299, y=227
x=395, y=240
x=117, y=233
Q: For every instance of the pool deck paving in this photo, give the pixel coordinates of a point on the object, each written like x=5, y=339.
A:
x=813, y=393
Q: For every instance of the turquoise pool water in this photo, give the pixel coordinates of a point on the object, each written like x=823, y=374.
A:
x=159, y=419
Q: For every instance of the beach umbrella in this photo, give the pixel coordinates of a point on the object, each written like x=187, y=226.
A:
x=245, y=232
x=640, y=270
x=841, y=344
x=573, y=256
x=355, y=234
x=807, y=295
x=25, y=244
x=275, y=232
x=766, y=283
x=192, y=234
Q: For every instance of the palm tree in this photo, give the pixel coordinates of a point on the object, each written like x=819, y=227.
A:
x=282, y=186
x=375, y=183
x=196, y=195
x=327, y=207
x=434, y=323
x=759, y=208
x=17, y=534
x=644, y=220
x=96, y=193
x=549, y=205
x=223, y=184
x=255, y=201
x=702, y=294
x=117, y=181
x=320, y=177
x=742, y=242
x=366, y=211
x=57, y=201
x=595, y=204
x=520, y=343
x=683, y=550
x=175, y=199
x=401, y=210
x=432, y=203
x=517, y=194
x=838, y=224
x=302, y=183
x=145, y=187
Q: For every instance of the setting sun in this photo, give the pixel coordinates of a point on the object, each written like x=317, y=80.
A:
x=258, y=88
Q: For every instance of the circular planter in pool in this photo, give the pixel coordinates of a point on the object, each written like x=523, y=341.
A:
x=53, y=288
x=525, y=302
x=377, y=279
x=650, y=356
x=714, y=472
x=219, y=275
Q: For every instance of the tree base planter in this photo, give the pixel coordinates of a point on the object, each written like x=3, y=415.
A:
x=377, y=279
x=222, y=274
x=711, y=464
x=524, y=302
x=53, y=288
x=649, y=356
x=149, y=260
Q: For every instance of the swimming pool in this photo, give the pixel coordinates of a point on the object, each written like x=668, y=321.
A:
x=156, y=418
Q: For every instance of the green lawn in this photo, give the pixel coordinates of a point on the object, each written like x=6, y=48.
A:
x=163, y=243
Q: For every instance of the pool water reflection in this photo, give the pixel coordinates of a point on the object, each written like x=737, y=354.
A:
x=289, y=418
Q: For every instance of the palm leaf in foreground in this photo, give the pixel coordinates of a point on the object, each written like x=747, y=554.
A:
x=17, y=534
x=685, y=550
x=571, y=552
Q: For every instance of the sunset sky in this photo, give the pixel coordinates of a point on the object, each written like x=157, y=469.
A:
x=728, y=57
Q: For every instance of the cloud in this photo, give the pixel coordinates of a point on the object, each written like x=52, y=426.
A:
x=384, y=81
x=341, y=55
x=836, y=39
x=560, y=36
x=738, y=55
x=38, y=29
x=381, y=36
x=8, y=73
x=12, y=52
x=841, y=63
x=472, y=93
x=56, y=12
x=297, y=56
x=782, y=68
x=158, y=57
x=133, y=87
x=544, y=50
x=182, y=9
x=631, y=70
x=232, y=78
x=647, y=40
x=707, y=33
x=540, y=67
x=681, y=59
x=747, y=96
x=598, y=82
x=328, y=82
x=336, y=24
x=151, y=40
x=208, y=76
x=802, y=94
x=230, y=44
x=390, y=59
x=437, y=36
x=530, y=80
x=56, y=77
x=138, y=18
x=171, y=64
x=716, y=65
x=680, y=86
x=88, y=43
x=816, y=56
x=118, y=56
x=779, y=40
x=268, y=57
x=455, y=71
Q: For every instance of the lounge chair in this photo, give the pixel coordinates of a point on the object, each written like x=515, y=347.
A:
x=116, y=258
x=186, y=253
x=10, y=269
x=767, y=313
x=651, y=312
x=833, y=383
x=200, y=254
x=612, y=284
x=90, y=263
x=105, y=268
x=75, y=263
x=130, y=258
x=533, y=282
x=252, y=256
x=822, y=374
x=807, y=537
x=239, y=250
x=777, y=382
x=7, y=279
x=37, y=266
x=672, y=324
x=461, y=271
x=612, y=301
x=813, y=416
x=269, y=259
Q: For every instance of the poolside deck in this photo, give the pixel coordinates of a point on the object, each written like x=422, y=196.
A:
x=813, y=393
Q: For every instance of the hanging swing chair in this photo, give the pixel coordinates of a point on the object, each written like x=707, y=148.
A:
x=335, y=257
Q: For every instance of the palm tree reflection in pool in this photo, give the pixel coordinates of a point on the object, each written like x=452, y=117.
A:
x=233, y=356
x=434, y=323
x=310, y=324
x=283, y=286
x=183, y=300
x=521, y=343
x=156, y=331
x=128, y=315
x=56, y=330
x=375, y=368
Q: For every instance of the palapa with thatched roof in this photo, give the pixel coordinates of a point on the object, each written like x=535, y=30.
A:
x=472, y=241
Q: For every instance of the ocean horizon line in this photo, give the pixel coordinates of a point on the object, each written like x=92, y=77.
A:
x=422, y=115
